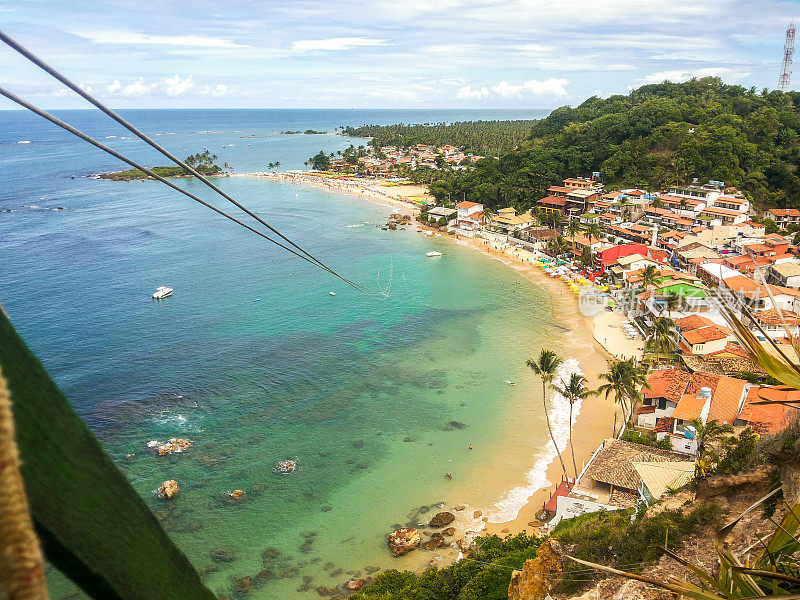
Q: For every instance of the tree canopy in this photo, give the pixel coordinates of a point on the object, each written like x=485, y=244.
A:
x=657, y=135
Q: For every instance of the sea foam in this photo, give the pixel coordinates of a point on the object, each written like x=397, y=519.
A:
x=508, y=507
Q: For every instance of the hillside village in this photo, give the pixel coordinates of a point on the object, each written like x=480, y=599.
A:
x=664, y=261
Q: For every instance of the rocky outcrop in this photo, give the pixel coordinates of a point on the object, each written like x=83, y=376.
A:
x=403, y=540
x=442, y=519
x=434, y=542
x=236, y=495
x=720, y=485
x=168, y=489
x=539, y=575
x=355, y=584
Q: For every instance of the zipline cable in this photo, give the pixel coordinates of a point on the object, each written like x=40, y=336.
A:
x=135, y=165
x=89, y=98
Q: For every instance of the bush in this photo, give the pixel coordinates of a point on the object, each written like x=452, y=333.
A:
x=647, y=438
x=483, y=575
x=613, y=539
x=739, y=453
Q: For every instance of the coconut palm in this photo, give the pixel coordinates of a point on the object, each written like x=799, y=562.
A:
x=593, y=231
x=671, y=302
x=573, y=227
x=545, y=367
x=573, y=389
x=663, y=335
x=624, y=379
x=486, y=215
x=649, y=276
x=707, y=433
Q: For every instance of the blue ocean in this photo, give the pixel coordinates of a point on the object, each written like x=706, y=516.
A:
x=254, y=360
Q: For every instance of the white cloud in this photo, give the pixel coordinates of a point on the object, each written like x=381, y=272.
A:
x=218, y=91
x=171, y=87
x=468, y=93
x=503, y=89
x=130, y=37
x=175, y=86
x=678, y=75
x=340, y=43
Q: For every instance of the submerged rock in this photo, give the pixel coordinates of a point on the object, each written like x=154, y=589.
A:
x=433, y=543
x=403, y=540
x=270, y=554
x=450, y=531
x=243, y=586
x=222, y=555
x=441, y=519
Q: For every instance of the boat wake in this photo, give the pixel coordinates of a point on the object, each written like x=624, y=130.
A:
x=508, y=507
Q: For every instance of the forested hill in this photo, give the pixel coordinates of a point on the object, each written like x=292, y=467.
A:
x=653, y=137
x=477, y=137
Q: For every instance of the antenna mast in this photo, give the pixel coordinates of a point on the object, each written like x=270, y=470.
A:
x=788, y=52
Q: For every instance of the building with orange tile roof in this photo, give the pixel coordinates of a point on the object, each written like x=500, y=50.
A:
x=768, y=418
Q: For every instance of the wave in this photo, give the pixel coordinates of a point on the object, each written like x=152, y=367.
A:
x=359, y=224
x=508, y=507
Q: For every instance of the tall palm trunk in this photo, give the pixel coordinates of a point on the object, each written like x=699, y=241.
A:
x=571, y=447
x=550, y=430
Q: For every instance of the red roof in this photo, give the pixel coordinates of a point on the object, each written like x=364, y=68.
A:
x=557, y=200
x=726, y=393
x=613, y=254
x=767, y=418
x=785, y=212
x=467, y=204
x=667, y=383
x=561, y=490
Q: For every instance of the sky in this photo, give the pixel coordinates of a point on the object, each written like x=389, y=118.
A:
x=384, y=53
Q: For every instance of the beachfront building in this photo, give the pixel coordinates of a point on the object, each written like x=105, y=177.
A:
x=469, y=219
x=574, y=198
x=659, y=477
x=507, y=220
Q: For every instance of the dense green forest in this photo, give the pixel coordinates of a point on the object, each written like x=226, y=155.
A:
x=476, y=137
x=655, y=136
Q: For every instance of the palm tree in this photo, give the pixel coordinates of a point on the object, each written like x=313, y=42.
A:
x=593, y=231
x=545, y=367
x=663, y=335
x=706, y=434
x=573, y=227
x=649, y=276
x=671, y=302
x=486, y=215
x=624, y=379
x=573, y=390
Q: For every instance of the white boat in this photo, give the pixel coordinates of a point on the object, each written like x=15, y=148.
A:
x=434, y=253
x=332, y=293
x=162, y=291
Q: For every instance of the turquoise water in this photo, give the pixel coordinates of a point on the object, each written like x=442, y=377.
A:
x=254, y=361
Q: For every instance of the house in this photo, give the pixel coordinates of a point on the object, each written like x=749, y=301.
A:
x=741, y=205
x=508, y=220
x=611, y=472
x=442, y=212
x=700, y=335
x=768, y=418
x=537, y=237
x=707, y=397
x=657, y=478
x=661, y=395
x=552, y=203
x=784, y=216
x=786, y=274
x=470, y=217
x=720, y=216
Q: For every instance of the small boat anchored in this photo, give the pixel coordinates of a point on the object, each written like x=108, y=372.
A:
x=434, y=253
x=332, y=293
x=162, y=292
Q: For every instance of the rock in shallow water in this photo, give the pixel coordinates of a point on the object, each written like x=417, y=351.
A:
x=168, y=489
x=441, y=519
x=403, y=540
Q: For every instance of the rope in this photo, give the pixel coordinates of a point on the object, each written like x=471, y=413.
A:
x=21, y=562
x=115, y=154
x=78, y=90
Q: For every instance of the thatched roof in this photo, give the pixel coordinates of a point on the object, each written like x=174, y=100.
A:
x=614, y=463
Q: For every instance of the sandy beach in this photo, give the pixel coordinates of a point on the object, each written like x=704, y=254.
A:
x=592, y=340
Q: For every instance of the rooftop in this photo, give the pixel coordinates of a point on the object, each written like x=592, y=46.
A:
x=614, y=463
x=667, y=383
x=660, y=477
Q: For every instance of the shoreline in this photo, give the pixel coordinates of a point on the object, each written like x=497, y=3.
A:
x=584, y=342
